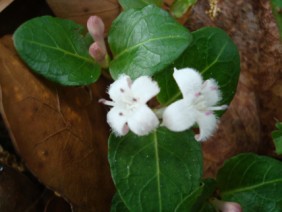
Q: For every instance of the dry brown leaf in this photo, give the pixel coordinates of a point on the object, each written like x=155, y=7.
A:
x=60, y=132
x=18, y=193
x=80, y=10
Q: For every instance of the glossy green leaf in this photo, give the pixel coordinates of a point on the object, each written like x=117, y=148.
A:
x=277, y=138
x=157, y=172
x=179, y=7
x=118, y=205
x=137, y=4
x=145, y=41
x=214, y=55
x=255, y=182
x=57, y=50
x=277, y=12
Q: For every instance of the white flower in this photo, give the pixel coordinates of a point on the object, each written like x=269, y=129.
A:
x=130, y=110
x=197, y=105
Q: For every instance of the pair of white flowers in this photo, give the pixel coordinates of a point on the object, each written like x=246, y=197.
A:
x=130, y=112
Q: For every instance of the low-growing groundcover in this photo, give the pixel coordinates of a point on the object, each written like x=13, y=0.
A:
x=157, y=167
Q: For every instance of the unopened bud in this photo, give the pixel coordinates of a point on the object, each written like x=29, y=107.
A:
x=96, y=27
x=97, y=52
x=226, y=206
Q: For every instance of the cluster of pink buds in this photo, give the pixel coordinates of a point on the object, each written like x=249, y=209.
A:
x=97, y=50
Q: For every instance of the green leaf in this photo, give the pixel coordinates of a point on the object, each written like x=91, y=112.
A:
x=180, y=7
x=188, y=203
x=145, y=41
x=214, y=55
x=203, y=204
x=156, y=172
x=118, y=205
x=255, y=182
x=57, y=50
x=277, y=138
x=277, y=12
x=137, y=4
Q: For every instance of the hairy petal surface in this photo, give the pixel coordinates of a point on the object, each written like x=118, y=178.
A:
x=116, y=118
x=207, y=123
x=189, y=81
x=143, y=120
x=120, y=88
x=179, y=116
x=144, y=88
x=211, y=92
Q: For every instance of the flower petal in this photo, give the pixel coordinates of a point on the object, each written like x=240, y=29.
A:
x=117, y=120
x=207, y=123
x=179, y=116
x=144, y=88
x=189, y=81
x=120, y=88
x=211, y=92
x=143, y=121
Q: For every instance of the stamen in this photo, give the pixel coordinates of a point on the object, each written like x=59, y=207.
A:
x=106, y=102
x=122, y=90
x=222, y=107
x=198, y=94
x=120, y=113
x=134, y=100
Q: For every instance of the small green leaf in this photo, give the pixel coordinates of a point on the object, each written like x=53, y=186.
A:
x=277, y=12
x=180, y=7
x=277, y=138
x=137, y=4
x=145, y=41
x=157, y=172
x=57, y=50
x=255, y=182
x=118, y=205
x=214, y=55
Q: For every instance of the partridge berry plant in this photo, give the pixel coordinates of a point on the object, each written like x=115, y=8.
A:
x=167, y=82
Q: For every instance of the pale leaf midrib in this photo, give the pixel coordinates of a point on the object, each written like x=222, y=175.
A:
x=145, y=42
x=61, y=50
x=238, y=190
x=155, y=140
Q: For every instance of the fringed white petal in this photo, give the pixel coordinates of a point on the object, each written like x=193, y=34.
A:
x=143, y=121
x=144, y=88
x=211, y=92
x=189, y=81
x=207, y=123
x=117, y=120
x=120, y=88
x=179, y=116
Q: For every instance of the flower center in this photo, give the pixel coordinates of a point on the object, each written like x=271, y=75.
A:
x=200, y=102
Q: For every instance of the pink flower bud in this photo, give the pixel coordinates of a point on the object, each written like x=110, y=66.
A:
x=98, y=49
x=97, y=52
x=96, y=28
x=226, y=206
